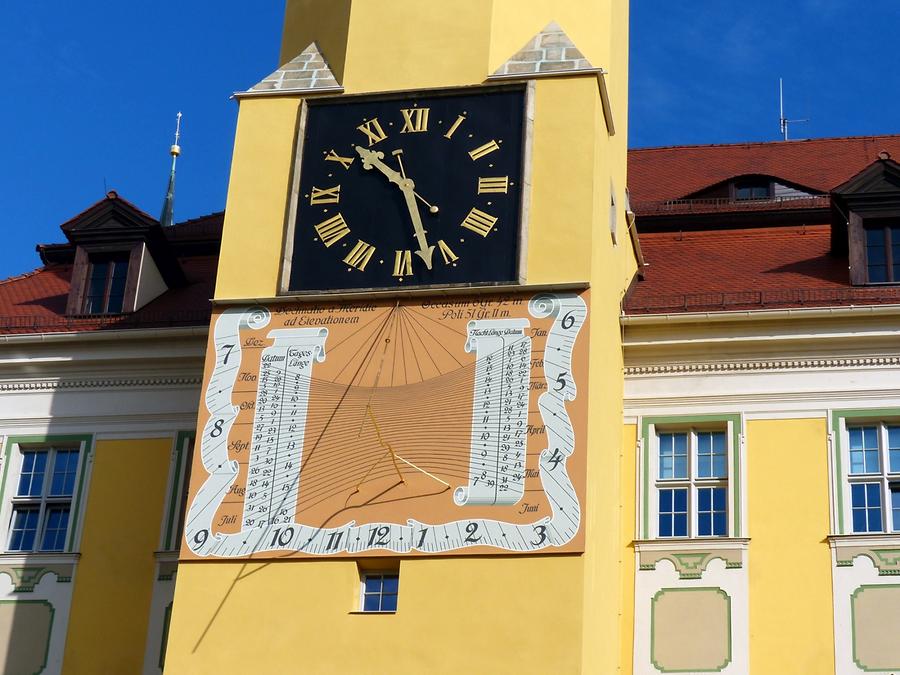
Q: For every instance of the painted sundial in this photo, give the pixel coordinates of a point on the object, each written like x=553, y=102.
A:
x=450, y=425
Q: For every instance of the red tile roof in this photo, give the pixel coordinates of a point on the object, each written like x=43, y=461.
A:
x=663, y=174
x=36, y=302
x=752, y=268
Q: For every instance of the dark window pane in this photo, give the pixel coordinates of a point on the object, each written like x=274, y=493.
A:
x=873, y=494
x=24, y=529
x=704, y=524
x=719, y=496
x=373, y=584
x=704, y=500
x=372, y=603
x=859, y=520
x=858, y=495
x=665, y=501
x=391, y=582
x=894, y=447
x=55, y=530
x=680, y=500
x=875, y=236
x=665, y=525
x=719, y=524
x=680, y=525
x=877, y=273
x=875, y=520
x=389, y=603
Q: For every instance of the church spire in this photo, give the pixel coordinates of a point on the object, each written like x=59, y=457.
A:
x=167, y=219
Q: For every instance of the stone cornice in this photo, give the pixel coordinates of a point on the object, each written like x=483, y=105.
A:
x=98, y=383
x=763, y=365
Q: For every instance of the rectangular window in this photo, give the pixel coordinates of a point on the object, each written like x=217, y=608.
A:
x=105, y=292
x=379, y=592
x=874, y=476
x=42, y=499
x=752, y=189
x=692, y=483
x=882, y=250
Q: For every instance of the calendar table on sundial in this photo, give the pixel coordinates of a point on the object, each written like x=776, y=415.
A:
x=452, y=425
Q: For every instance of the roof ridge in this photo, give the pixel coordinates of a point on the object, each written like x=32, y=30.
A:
x=758, y=143
x=206, y=216
x=24, y=275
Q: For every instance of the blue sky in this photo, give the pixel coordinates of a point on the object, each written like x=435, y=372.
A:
x=90, y=91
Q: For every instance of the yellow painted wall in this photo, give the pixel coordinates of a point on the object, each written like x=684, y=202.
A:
x=114, y=579
x=791, y=627
x=500, y=616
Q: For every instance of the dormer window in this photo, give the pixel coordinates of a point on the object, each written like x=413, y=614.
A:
x=105, y=293
x=752, y=188
x=882, y=250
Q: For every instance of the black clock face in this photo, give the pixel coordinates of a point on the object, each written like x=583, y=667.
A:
x=419, y=190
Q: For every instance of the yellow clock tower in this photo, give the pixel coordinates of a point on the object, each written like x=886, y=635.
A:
x=408, y=453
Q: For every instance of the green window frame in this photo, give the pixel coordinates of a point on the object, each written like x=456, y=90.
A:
x=649, y=429
x=42, y=501
x=863, y=468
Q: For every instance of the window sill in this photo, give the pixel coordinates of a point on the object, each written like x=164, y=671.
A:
x=38, y=558
x=27, y=569
x=882, y=549
x=359, y=611
x=691, y=557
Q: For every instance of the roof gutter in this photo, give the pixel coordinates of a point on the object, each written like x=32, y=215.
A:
x=795, y=313
x=105, y=335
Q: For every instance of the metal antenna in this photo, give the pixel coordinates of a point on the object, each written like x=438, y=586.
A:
x=782, y=120
x=167, y=219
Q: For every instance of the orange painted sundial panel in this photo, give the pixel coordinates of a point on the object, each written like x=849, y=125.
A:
x=452, y=425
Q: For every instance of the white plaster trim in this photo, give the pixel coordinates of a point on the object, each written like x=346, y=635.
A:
x=781, y=364
x=758, y=315
x=39, y=559
x=99, y=383
x=108, y=335
x=692, y=544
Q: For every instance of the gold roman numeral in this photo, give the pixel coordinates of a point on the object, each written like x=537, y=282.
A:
x=483, y=150
x=360, y=255
x=325, y=195
x=499, y=184
x=414, y=120
x=373, y=131
x=345, y=162
x=479, y=222
x=402, y=263
x=331, y=230
x=446, y=252
x=452, y=130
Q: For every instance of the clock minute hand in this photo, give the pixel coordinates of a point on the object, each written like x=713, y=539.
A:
x=372, y=158
x=425, y=251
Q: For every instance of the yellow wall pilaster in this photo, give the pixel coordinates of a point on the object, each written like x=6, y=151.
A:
x=791, y=627
x=114, y=579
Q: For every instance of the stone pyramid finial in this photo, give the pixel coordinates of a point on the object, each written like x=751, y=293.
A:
x=549, y=52
x=308, y=71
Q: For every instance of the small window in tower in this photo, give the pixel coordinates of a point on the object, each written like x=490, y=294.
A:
x=379, y=591
x=757, y=188
x=105, y=292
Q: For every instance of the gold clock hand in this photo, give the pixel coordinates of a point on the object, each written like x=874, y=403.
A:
x=372, y=158
x=425, y=251
x=431, y=207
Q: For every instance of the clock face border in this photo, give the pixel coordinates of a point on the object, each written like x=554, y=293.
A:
x=528, y=89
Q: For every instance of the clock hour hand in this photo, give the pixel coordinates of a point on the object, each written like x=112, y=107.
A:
x=372, y=159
